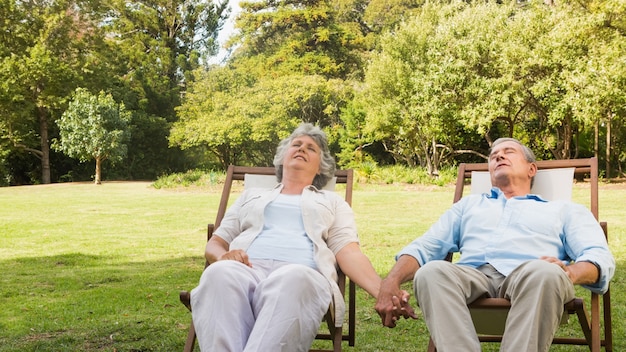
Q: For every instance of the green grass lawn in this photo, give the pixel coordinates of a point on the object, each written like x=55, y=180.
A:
x=99, y=268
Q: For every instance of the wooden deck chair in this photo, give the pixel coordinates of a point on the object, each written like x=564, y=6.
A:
x=553, y=181
x=266, y=177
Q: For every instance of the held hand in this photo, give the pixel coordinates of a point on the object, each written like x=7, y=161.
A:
x=236, y=255
x=405, y=308
x=392, y=303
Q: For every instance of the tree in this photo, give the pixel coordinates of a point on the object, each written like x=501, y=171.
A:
x=142, y=52
x=411, y=102
x=309, y=37
x=240, y=119
x=94, y=127
x=41, y=63
x=155, y=45
x=153, y=49
x=540, y=73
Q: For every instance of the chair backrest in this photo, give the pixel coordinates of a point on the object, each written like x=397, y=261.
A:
x=553, y=180
x=269, y=181
x=266, y=177
x=551, y=184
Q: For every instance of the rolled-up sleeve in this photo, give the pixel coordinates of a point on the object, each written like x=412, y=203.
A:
x=585, y=242
x=439, y=240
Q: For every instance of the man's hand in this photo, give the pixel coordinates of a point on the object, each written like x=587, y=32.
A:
x=393, y=303
x=554, y=260
x=581, y=273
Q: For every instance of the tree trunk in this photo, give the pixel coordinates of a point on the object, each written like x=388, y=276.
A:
x=98, y=168
x=567, y=139
x=435, y=170
x=45, y=146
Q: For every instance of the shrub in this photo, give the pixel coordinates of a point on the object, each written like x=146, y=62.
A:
x=195, y=178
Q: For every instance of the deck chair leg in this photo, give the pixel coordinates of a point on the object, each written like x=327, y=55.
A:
x=191, y=339
x=595, y=323
x=352, y=314
x=431, y=345
x=337, y=338
x=608, y=328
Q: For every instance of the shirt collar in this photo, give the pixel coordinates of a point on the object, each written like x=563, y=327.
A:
x=497, y=193
x=309, y=187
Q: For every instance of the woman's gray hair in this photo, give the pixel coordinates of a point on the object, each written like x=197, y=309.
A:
x=327, y=161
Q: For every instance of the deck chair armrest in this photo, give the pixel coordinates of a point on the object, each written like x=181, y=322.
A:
x=209, y=231
x=185, y=298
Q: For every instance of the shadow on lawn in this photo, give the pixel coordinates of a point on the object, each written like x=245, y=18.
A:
x=83, y=302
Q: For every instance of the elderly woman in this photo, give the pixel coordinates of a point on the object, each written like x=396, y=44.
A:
x=272, y=275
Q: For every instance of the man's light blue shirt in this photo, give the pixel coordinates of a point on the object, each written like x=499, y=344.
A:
x=505, y=233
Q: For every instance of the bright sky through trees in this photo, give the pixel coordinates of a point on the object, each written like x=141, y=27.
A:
x=226, y=31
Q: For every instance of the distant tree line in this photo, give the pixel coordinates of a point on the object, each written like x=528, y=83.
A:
x=412, y=82
x=142, y=53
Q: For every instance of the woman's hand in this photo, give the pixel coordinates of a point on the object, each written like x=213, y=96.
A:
x=217, y=249
x=236, y=255
x=393, y=304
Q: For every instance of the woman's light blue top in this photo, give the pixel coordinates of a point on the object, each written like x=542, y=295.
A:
x=283, y=236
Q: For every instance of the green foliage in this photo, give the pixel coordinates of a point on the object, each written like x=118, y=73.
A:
x=41, y=61
x=195, y=178
x=367, y=172
x=384, y=15
x=313, y=37
x=141, y=52
x=157, y=44
x=149, y=154
x=94, y=127
x=411, y=82
x=462, y=71
x=241, y=118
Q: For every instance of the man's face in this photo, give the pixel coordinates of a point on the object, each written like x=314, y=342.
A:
x=508, y=164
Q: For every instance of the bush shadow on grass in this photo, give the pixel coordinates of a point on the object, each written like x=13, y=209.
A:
x=78, y=301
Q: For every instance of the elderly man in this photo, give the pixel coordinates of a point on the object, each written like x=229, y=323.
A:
x=513, y=244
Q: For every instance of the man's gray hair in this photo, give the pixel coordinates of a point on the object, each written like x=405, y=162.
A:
x=528, y=153
x=327, y=161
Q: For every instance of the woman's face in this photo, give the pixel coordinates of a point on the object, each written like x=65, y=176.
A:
x=303, y=154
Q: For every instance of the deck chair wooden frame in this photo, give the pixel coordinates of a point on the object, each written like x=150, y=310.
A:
x=335, y=334
x=497, y=308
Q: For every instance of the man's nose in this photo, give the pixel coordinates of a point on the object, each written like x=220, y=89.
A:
x=498, y=156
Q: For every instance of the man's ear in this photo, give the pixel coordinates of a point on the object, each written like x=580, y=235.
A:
x=532, y=170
